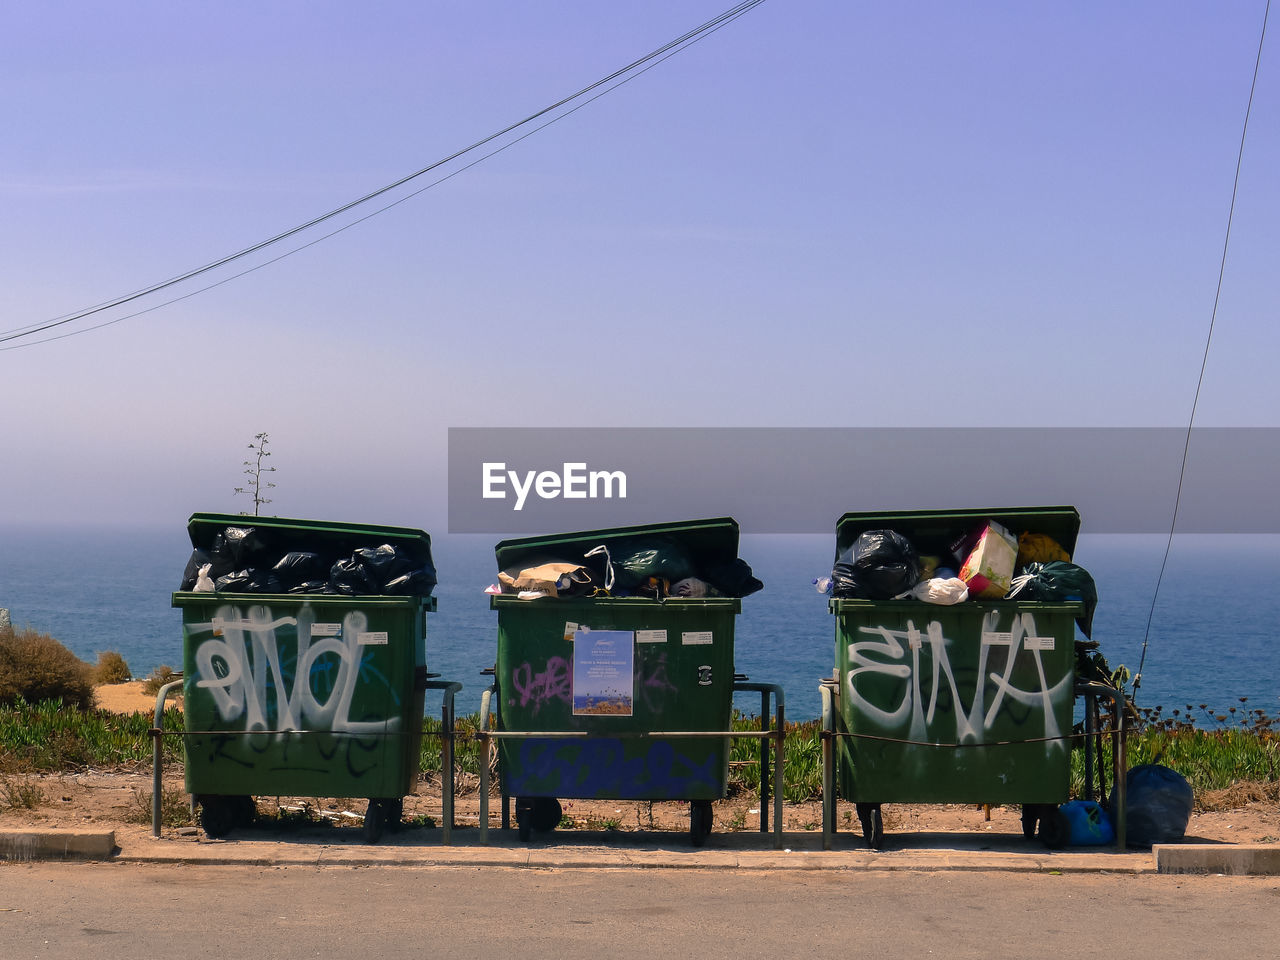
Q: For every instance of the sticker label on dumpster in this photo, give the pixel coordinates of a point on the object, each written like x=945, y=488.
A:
x=997, y=638
x=1038, y=643
x=222, y=623
x=372, y=638
x=603, y=673
x=695, y=638
x=651, y=636
x=569, y=630
x=326, y=629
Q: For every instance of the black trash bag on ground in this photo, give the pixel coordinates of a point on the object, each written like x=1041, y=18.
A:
x=635, y=561
x=1157, y=806
x=1057, y=581
x=879, y=565
x=733, y=579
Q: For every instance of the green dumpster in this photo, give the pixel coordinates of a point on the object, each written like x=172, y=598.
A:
x=586, y=686
x=302, y=694
x=970, y=703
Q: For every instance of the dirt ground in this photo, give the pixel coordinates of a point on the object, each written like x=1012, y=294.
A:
x=120, y=799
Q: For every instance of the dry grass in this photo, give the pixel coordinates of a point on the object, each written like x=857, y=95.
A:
x=19, y=793
x=1239, y=795
x=36, y=667
x=159, y=677
x=111, y=668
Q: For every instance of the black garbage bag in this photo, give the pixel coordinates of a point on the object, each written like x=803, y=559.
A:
x=1057, y=581
x=1157, y=806
x=239, y=548
x=301, y=566
x=192, y=573
x=733, y=579
x=349, y=578
x=250, y=580
x=383, y=569
x=635, y=561
x=879, y=565
x=310, y=586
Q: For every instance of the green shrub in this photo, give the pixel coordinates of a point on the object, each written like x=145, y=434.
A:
x=159, y=677
x=111, y=668
x=36, y=667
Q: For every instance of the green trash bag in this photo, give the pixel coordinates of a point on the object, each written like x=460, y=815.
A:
x=1055, y=582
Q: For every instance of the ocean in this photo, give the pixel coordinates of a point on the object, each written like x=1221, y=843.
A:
x=1213, y=637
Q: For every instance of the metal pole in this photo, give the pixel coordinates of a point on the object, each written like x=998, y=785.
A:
x=1089, y=728
x=765, y=689
x=778, y=772
x=764, y=763
x=1121, y=756
x=483, y=736
x=157, y=759
x=447, y=716
x=828, y=763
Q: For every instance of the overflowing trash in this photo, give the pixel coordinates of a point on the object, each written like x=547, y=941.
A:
x=988, y=561
x=265, y=559
x=656, y=566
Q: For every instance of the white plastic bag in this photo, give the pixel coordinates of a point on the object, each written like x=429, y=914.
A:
x=942, y=591
x=203, y=583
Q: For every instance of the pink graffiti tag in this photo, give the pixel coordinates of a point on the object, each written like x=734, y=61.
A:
x=654, y=683
x=553, y=683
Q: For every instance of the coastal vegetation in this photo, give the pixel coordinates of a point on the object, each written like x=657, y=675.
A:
x=49, y=723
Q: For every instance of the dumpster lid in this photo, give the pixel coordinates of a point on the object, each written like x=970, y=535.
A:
x=934, y=530
x=714, y=540
x=344, y=537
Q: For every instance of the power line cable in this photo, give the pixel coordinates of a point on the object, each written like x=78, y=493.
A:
x=1204, y=360
x=333, y=233
x=636, y=67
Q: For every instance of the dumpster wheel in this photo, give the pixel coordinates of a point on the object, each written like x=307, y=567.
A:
x=537, y=813
x=1032, y=814
x=220, y=815
x=381, y=814
x=872, y=821
x=700, y=820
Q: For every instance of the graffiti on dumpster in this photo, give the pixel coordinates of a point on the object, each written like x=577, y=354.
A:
x=914, y=663
x=553, y=682
x=603, y=767
x=308, y=672
x=653, y=683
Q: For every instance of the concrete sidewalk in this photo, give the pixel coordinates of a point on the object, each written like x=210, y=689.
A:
x=627, y=850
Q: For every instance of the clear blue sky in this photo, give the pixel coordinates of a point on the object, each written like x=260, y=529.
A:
x=825, y=214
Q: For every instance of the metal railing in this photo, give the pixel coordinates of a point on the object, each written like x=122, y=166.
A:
x=829, y=691
x=777, y=735
x=447, y=737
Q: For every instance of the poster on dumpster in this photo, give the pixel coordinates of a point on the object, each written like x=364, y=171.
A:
x=603, y=672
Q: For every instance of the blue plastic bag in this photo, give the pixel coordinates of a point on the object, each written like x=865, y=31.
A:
x=1090, y=824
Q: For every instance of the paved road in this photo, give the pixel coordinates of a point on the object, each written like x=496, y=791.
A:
x=109, y=910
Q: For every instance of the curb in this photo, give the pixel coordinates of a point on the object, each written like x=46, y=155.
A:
x=57, y=845
x=1232, y=860
x=1188, y=858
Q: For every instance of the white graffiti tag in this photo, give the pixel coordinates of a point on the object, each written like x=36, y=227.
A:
x=901, y=654
x=240, y=666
